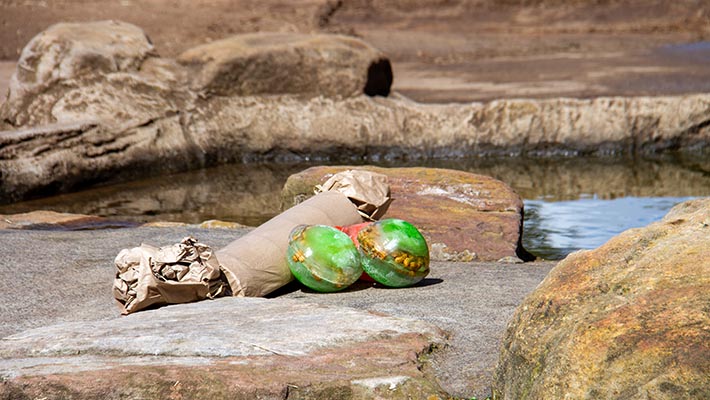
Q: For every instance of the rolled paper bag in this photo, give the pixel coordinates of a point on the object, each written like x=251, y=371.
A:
x=394, y=252
x=323, y=258
x=255, y=264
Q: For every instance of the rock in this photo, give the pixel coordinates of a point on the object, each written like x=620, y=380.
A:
x=59, y=281
x=510, y=260
x=164, y=224
x=287, y=63
x=51, y=220
x=628, y=320
x=214, y=347
x=65, y=157
x=217, y=224
x=136, y=114
x=68, y=50
x=58, y=221
x=68, y=71
x=463, y=216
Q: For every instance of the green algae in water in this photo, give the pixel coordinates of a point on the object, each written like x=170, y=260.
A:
x=394, y=253
x=323, y=258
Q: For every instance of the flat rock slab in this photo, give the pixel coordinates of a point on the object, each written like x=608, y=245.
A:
x=471, y=301
x=463, y=216
x=52, y=220
x=221, y=333
x=43, y=219
x=227, y=327
x=56, y=306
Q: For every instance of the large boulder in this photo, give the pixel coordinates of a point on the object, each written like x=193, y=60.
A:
x=629, y=320
x=463, y=216
x=288, y=63
x=85, y=72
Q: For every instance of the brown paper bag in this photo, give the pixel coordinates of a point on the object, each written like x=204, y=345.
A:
x=369, y=191
x=181, y=273
x=255, y=264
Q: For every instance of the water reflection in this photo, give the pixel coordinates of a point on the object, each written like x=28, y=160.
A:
x=248, y=194
x=570, y=203
x=555, y=229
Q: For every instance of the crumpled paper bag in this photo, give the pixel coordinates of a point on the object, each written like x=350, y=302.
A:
x=181, y=273
x=369, y=191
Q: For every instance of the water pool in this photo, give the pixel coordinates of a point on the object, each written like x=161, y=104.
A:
x=554, y=229
x=570, y=204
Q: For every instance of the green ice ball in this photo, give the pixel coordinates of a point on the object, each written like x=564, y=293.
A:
x=323, y=258
x=394, y=253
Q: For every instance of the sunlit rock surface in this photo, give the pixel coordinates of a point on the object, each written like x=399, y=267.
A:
x=52, y=220
x=628, y=320
x=56, y=301
x=54, y=75
x=221, y=349
x=81, y=112
x=280, y=63
x=463, y=216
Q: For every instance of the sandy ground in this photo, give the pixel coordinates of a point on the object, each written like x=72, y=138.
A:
x=442, y=51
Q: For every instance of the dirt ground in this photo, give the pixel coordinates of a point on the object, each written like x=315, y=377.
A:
x=442, y=50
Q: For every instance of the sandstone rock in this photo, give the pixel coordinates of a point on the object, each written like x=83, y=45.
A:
x=237, y=129
x=64, y=157
x=63, y=278
x=68, y=73
x=288, y=63
x=463, y=216
x=68, y=50
x=165, y=224
x=225, y=348
x=133, y=114
x=397, y=128
x=628, y=320
x=217, y=224
x=52, y=220
x=58, y=221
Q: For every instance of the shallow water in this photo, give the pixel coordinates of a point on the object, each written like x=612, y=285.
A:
x=555, y=229
x=570, y=204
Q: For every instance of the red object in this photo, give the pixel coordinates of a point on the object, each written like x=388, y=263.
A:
x=352, y=231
